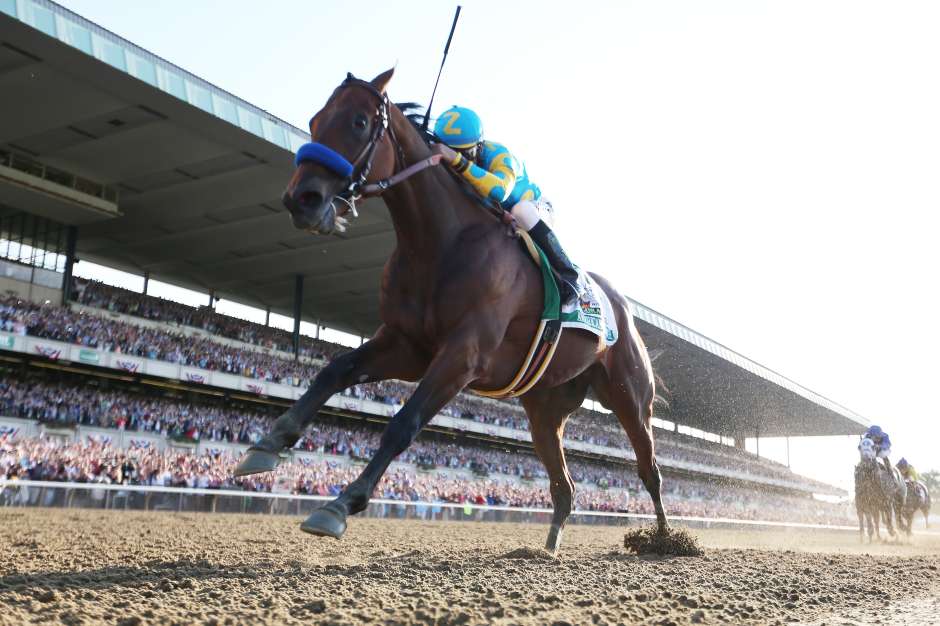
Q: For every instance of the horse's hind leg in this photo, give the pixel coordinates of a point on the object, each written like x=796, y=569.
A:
x=889, y=521
x=547, y=410
x=630, y=397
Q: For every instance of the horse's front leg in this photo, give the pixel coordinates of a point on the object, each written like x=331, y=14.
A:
x=450, y=371
x=387, y=355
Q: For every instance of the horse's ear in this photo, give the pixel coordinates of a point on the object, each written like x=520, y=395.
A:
x=381, y=81
x=349, y=76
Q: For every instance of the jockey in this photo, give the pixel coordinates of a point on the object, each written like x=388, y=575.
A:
x=497, y=175
x=907, y=470
x=882, y=444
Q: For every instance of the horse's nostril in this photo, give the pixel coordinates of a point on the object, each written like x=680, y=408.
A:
x=311, y=198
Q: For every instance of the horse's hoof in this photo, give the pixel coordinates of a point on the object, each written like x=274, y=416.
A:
x=325, y=522
x=255, y=462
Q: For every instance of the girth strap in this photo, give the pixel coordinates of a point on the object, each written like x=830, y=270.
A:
x=542, y=349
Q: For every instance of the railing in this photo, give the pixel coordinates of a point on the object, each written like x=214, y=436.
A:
x=32, y=167
x=32, y=493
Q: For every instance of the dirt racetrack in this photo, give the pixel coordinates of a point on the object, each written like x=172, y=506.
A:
x=83, y=567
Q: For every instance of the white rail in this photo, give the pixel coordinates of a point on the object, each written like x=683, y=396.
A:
x=187, y=491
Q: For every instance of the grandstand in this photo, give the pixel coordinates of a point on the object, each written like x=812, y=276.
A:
x=111, y=154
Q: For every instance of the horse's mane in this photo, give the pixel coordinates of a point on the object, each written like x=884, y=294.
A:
x=412, y=113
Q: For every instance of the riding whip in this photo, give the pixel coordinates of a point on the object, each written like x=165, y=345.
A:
x=427, y=114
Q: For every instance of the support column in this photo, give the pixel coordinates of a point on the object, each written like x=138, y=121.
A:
x=788, y=452
x=267, y=317
x=71, y=238
x=757, y=439
x=298, y=301
x=35, y=246
x=212, y=299
x=146, y=282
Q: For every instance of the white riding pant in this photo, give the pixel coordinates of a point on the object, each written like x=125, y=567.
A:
x=528, y=213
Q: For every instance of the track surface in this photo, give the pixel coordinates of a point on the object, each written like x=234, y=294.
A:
x=80, y=567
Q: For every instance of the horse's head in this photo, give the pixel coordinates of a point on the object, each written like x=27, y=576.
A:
x=349, y=146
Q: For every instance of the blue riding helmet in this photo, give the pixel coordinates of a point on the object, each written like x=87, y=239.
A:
x=874, y=431
x=902, y=463
x=459, y=127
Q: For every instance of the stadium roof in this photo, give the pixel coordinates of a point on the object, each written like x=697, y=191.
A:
x=185, y=184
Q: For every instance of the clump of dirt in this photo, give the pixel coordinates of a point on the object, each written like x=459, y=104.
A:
x=671, y=542
x=528, y=554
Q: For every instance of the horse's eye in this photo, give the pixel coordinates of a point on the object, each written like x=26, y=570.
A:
x=360, y=122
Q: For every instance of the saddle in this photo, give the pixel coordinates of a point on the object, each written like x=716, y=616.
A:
x=594, y=314
x=915, y=486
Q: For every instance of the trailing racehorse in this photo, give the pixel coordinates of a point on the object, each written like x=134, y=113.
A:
x=459, y=303
x=895, y=496
x=869, y=498
x=918, y=499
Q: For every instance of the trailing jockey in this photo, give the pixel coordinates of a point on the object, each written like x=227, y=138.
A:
x=882, y=444
x=498, y=176
x=907, y=471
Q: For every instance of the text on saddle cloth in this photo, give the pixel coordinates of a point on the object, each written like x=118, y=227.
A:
x=594, y=312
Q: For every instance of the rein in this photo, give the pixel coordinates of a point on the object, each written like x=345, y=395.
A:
x=358, y=186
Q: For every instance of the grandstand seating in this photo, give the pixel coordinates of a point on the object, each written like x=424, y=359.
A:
x=98, y=461
x=255, y=351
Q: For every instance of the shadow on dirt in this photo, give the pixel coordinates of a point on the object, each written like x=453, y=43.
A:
x=169, y=575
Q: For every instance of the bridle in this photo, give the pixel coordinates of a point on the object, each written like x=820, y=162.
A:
x=356, y=172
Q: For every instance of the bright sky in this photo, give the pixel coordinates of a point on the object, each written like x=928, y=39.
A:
x=763, y=172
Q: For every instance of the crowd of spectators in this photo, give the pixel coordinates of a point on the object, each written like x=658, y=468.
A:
x=171, y=344
x=64, y=402
x=62, y=324
x=67, y=403
x=603, y=429
x=99, y=462
x=101, y=296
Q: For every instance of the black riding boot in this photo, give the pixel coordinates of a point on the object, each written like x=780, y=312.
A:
x=564, y=268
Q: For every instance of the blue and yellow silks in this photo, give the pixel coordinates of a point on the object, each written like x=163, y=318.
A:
x=500, y=176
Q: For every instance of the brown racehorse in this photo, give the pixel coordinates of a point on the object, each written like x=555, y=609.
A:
x=459, y=303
